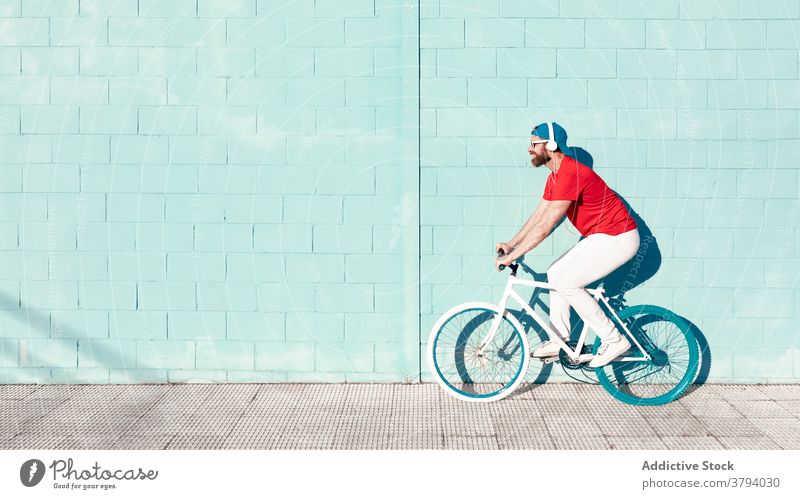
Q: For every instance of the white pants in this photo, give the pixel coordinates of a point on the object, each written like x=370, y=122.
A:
x=592, y=258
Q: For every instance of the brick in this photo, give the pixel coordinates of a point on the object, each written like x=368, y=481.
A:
x=284, y=356
x=177, y=32
x=172, y=120
x=255, y=268
x=344, y=357
x=781, y=34
x=372, y=92
x=443, y=92
x=742, y=94
x=311, y=209
x=466, y=62
x=45, y=8
x=373, y=32
x=187, y=325
x=221, y=296
x=168, y=61
x=228, y=120
x=707, y=184
x=104, y=295
x=165, y=354
x=497, y=92
x=770, y=184
x=138, y=325
x=646, y=124
x=667, y=34
x=24, y=32
x=648, y=64
x=495, y=33
x=615, y=33
x=315, y=33
x=237, y=355
x=684, y=94
x=83, y=149
x=51, y=61
x=49, y=119
x=158, y=237
x=82, y=32
x=625, y=94
x=343, y=62
x=707, y=124
x=49, y=295
x=441, y=33
x=774, y=64
x=106, y=237
x=706, y=65
x=255, y=326
x=295, y=62
x=769, y=11
x=186, y=91
x=177, y=8
x=109, y=61
x=469, y=8
x=285, y=297
x=226, y=8
x=226, y=62
x=343, y=239
x=135, y=208
x=198, y=151
x=115, y=353
x=47, y=236
x=79, y=324
x=767, y=243
x=142, y=91
x=48, y=353
x=225, y=238
x=736, y=35
x=10, y=61
x=261, y=32
x=102, y=8
x=587, y=63
x=196, y=267
x=466, y=122
x=315, y=327
x=527, y=8
x=740, y=213
x=169, y=296
x=79, y=90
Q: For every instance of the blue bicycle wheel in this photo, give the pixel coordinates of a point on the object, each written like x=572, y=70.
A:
x=469, y=372
x=672, y=346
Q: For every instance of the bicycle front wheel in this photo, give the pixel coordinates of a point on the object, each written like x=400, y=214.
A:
x=467, y=371
x=674, y=358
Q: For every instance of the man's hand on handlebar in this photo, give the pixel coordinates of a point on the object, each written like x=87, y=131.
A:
x=502, y=261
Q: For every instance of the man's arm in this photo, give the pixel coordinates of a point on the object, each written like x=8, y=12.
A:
x=533, y=220
x=552, y=213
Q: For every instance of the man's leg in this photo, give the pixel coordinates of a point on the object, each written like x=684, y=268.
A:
x=591, y=259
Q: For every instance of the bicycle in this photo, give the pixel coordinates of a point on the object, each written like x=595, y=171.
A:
x=474, y=364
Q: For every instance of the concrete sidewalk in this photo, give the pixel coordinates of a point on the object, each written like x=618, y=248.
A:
x=407, y=416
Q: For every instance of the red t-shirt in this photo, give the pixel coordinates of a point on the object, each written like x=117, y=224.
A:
x=595, y=208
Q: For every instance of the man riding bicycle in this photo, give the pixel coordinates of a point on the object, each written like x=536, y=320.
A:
x=610, y=238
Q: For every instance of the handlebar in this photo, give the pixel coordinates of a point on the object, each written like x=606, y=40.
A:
x=513, y=266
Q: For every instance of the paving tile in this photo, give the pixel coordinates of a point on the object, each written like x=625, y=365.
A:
x=692, y=443
x=635, y=443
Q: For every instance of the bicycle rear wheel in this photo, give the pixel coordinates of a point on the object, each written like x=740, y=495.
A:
x=672, y=346
x=462, y=369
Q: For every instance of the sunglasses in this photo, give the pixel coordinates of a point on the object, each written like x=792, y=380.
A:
x=534, y=142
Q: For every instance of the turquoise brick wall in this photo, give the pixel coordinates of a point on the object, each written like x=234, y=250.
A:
x=689, y=111
x=251, y=190
x=208, y=190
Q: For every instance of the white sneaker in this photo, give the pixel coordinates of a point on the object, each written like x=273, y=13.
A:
x=548, y=349
x=610, y=351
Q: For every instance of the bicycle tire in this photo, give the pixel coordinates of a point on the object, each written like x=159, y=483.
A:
x=453, y=359
x=669, y=340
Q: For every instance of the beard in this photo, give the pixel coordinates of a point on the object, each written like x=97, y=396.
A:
x=539, y=159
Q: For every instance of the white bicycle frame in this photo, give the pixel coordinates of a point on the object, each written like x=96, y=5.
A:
x=574, y=355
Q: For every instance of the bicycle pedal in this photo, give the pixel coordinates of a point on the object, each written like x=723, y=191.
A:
x=549, y=360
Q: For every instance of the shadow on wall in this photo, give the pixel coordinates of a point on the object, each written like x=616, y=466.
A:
x=41, y=319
